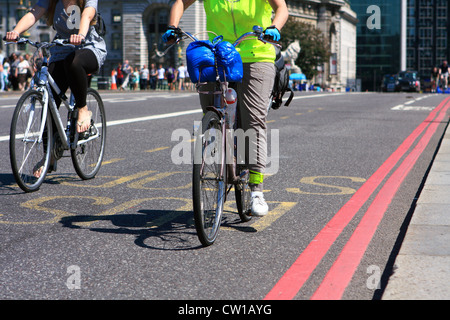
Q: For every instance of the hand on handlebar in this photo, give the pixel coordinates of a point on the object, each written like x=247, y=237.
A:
x=12, y=36
x=170, y=35
x=76, y=39
x=272, y=33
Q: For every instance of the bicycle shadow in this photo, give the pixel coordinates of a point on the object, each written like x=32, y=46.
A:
x=8, y=185
x=177, y=234
x=174, y=235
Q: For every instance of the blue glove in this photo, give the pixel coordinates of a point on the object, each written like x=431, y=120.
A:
x=273, y=33
x=169, y=33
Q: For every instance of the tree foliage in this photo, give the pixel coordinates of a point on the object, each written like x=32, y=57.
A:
x=314, y=46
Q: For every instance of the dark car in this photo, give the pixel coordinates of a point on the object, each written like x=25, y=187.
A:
x=389, y=83
x=408, y=81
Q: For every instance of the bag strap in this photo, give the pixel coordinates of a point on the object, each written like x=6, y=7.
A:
x=291, y=96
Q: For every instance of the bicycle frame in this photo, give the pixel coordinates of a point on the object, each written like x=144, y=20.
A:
x=224, y=139
x=48, y=97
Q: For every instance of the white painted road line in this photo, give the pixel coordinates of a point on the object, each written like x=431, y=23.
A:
x=411, y=108
x=132, y=120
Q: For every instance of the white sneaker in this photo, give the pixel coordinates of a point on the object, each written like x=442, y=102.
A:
x=259, y=207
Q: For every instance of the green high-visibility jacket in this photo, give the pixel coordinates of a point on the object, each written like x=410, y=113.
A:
x=233, y=18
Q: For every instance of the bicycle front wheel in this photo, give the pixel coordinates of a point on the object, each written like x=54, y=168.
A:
x=209, y=179
x=29, y=144
x=87, y=156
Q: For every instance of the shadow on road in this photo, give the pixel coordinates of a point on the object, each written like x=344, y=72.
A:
x=176, y=234
x=8, y=184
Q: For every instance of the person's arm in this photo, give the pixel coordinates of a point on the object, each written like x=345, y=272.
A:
x=281, y=13
x=177, y=10
x=27, y=21
x=85, y=22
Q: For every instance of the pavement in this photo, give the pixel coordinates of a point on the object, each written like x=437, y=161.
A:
x=422, y=266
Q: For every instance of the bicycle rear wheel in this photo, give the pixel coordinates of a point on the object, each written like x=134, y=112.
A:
x=209, y=180
x=243, y=194
x=87, y=156
x=29, y=152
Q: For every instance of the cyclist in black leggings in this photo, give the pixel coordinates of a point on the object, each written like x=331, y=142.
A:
x=74, y=20
x=78, y=65
x=69, y=67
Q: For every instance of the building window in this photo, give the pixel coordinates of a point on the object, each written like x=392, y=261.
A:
x=116, y=18
x=116, y=41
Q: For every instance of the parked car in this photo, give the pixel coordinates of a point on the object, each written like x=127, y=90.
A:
x=408, y=81
x=389, y=83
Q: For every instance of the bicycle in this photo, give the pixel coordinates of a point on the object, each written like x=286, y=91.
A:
x=216, y=167
x=32, y=143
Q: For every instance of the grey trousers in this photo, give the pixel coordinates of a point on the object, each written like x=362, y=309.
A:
x=253, y=98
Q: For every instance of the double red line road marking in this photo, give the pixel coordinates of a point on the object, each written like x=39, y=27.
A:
x=341, y=272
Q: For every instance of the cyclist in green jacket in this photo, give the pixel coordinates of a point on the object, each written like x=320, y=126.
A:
x=231, y=19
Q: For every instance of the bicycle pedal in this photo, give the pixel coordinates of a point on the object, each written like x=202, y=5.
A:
x=83, y=135
x=86, y=134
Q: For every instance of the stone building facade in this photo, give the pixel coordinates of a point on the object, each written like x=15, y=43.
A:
x=134, y=29
x=338, y=23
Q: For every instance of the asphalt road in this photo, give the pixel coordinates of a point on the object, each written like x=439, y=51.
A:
x=129, y=233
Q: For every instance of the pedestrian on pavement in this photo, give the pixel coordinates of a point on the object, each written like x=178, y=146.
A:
x=119, y=76
x=153, y=76
x=232, y=19
x=144, y=76
x=6, y=67
x=135, y=78
x=13, y=71
x=444, y=73
x=22, y=70
x=434, y=79
x=170, y=76
x=181, y=77
x=187, y=81
x=160, y=77
x=126, y=70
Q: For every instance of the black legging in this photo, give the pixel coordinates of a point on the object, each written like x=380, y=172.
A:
x=73, y=71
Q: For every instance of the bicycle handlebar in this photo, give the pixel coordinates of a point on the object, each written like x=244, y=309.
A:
x=257, y=32
x=55, y=42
